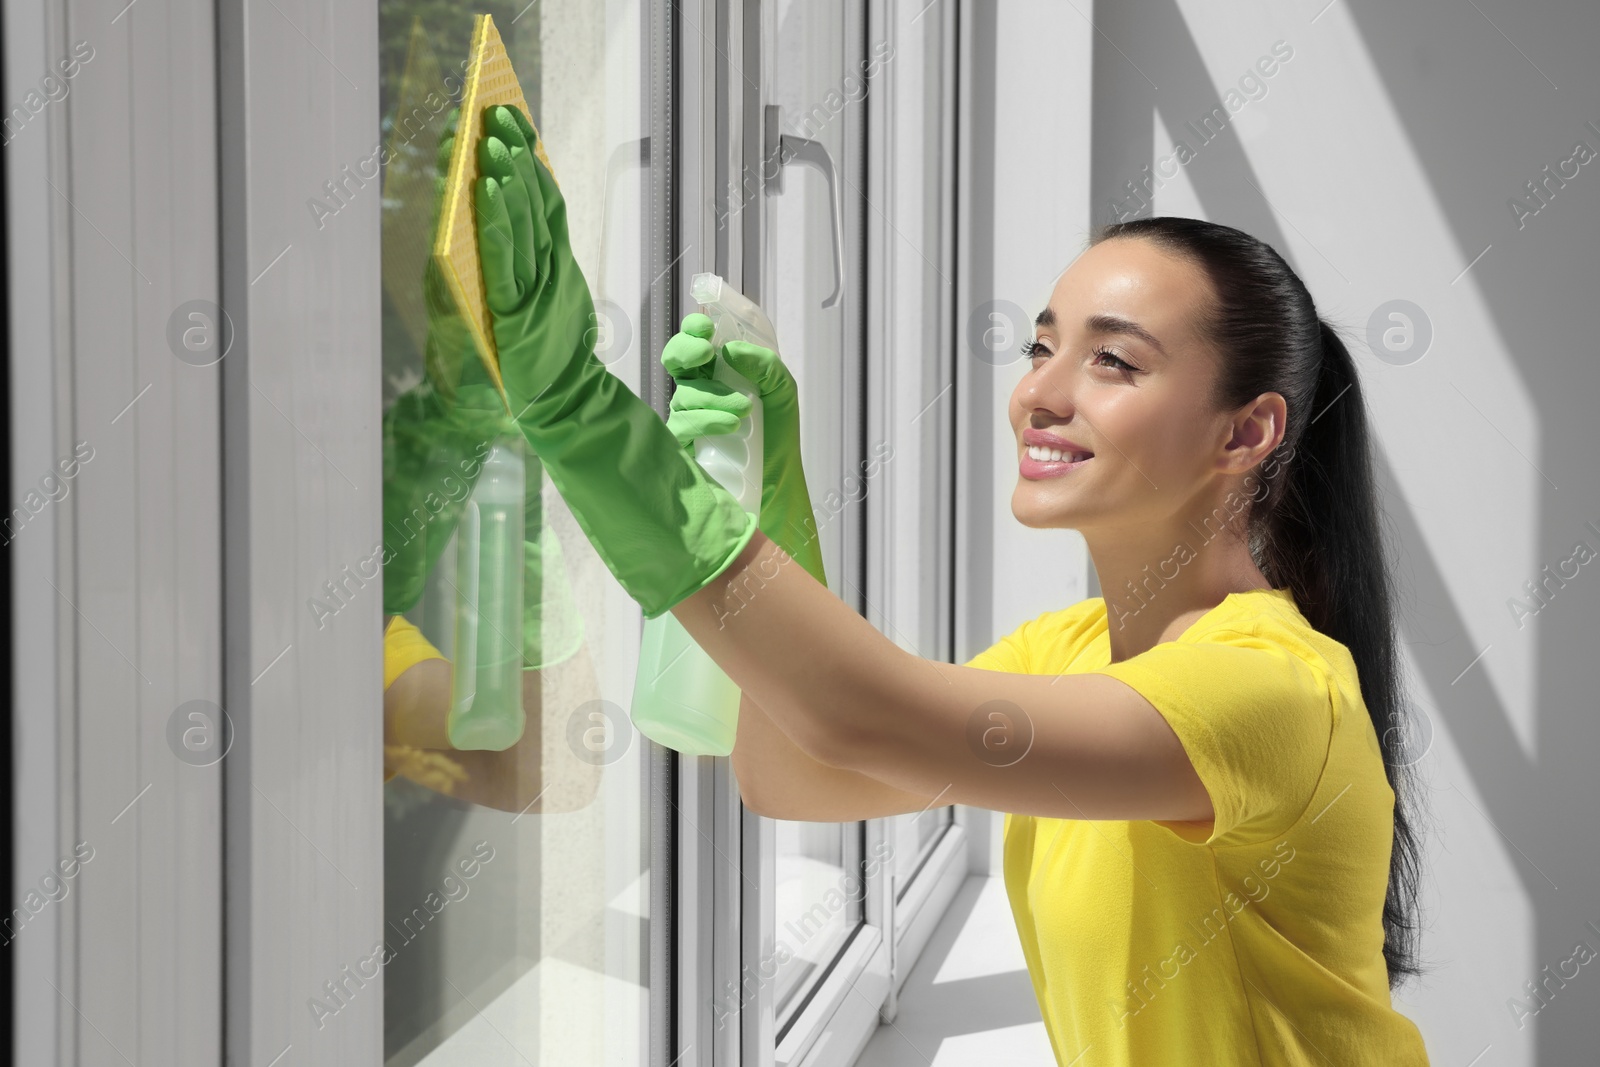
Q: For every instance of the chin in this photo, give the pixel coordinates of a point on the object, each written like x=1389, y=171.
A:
x=1039, y=515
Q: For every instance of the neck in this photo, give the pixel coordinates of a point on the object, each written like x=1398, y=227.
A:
x=1158, y=580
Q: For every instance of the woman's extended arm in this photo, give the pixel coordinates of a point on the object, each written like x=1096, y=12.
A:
x=843, y=692
x=779, y=779
x=854, y=700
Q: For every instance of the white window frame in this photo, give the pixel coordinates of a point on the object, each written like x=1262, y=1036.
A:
x=912, y=257
x=117, y=593
x=303, y=787
x=726, y=932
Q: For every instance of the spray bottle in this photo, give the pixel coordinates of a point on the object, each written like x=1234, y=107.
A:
x=486, y=686
x=681, y=698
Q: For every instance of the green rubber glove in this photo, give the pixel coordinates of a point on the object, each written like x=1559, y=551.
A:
x=436, y=434
x=435, y=438
x=661, y=524
x=702, y=406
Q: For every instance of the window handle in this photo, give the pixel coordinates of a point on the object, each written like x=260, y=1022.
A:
x=786, y=148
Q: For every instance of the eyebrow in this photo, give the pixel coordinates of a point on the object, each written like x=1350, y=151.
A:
x=1106, y=323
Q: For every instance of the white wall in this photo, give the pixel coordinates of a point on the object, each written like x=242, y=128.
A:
x=1380, y=161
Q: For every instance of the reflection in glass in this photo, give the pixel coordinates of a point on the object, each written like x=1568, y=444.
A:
x=515, y=876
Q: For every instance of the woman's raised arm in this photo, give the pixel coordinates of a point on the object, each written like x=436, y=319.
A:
x=852, y=699
x=779, y=779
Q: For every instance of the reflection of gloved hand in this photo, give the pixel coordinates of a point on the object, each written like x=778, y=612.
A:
x=433, y=455
x=436, y=437
x=662, y=525
x=433, y=452
x=702, y=406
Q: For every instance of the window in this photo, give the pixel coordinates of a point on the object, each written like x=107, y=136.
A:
x=516, y=883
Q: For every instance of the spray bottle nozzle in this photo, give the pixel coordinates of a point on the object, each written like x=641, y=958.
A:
x=706, y=288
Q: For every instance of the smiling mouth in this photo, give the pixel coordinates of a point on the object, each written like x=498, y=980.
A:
x=1039, y=462
x=1041, y=454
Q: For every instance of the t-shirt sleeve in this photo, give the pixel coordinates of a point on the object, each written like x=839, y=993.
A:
x=1010, y=653
x=1255, y=719
x=403, y=648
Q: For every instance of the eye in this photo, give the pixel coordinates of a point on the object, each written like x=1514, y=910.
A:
x=1035, y=350
x=1124, y=364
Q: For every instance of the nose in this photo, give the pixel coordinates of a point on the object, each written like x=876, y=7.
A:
x=1048, y=389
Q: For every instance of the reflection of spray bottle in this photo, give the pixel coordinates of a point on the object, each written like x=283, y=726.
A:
x=681, y=698
x=486, y=685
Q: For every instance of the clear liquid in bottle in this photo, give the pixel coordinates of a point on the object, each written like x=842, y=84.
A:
x=486, y=687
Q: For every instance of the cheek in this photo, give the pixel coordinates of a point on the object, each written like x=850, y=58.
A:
x=1176, y=448
x=1153, y=431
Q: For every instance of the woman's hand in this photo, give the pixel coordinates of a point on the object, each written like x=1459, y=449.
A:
x=542, y=310
x=702, y=406
x=659, y=522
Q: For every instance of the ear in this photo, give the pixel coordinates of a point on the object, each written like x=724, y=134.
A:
x=1257, y=428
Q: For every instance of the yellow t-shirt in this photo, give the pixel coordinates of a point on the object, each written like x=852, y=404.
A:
x=1257, y=938
x=403, y=648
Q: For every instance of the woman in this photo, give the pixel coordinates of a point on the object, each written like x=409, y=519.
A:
x=1204, y=850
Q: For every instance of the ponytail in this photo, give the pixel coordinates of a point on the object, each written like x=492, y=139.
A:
x=1324, y=544
x=1316, y=531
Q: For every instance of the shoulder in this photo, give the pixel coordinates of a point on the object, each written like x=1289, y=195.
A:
x=1047, y=641
x=1253, y=698
x=1073, y=625
x=1268, y=621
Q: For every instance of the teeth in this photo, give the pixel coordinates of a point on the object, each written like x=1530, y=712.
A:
x=1053, y=455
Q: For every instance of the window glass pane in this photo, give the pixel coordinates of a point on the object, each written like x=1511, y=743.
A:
x=515, y=880
x=819, y=895
x=816, y=340
x=914, y=836
x=819, y=890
